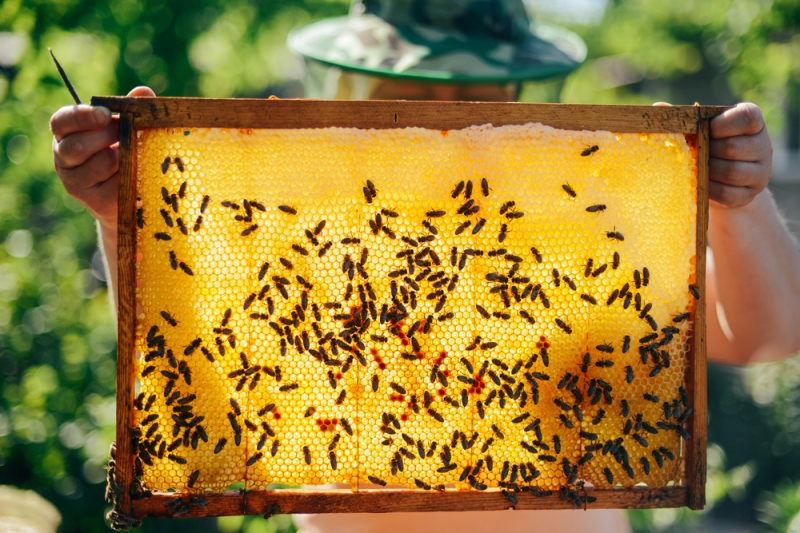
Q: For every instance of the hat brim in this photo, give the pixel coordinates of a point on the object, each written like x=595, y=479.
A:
x=422, y=54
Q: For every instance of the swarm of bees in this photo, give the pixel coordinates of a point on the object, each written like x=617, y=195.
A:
x=450, y=327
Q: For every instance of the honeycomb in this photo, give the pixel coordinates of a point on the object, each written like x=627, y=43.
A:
x=489, y=307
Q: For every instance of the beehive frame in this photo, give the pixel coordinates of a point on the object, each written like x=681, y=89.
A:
x=139, y=113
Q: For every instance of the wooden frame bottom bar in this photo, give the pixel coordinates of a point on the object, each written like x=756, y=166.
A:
x=292, y=501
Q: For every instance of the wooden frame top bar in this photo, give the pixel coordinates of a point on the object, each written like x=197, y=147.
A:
x=300, y=113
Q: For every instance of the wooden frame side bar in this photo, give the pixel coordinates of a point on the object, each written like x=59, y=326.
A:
x=262, y=113
x=126, y=307
x=291, y=501
x=698, y=371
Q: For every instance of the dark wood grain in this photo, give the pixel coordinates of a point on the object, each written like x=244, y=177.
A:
x=126, y=308
x=262, y=113
x=698, y=382
x=289, y=501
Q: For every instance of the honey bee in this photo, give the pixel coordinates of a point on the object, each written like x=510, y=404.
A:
x=325, y=247
x=462, y=227
x=255, y=458
x=140, y=218
x=599, y=270
x=612, y=297
x=588, y=298
x=468, y=190
x=165, y=165
x=288, y=209
x=607, y=348
x=250, y=229
x=569, y=190
x=192, y=347
x=645, y=277
x=332, y=458
x=176, y=459
x=695, y=291
x=388, y=231
x=563, y=325
x=186, y=268
x=503, y=233
x=543, y=297
x=198, y=223
x=457, y=189
x=171, y=321
x=430, y=227
x=615, y=235
x=182, y=190
x=680, y=318
x=204, y=204
x=597, y=208
x=182, y=226
x=485, y=186
x=627, y=301
x=536, y=254
x=179, y=163
x=589, y=150
x=299, y=249
x=162, y=236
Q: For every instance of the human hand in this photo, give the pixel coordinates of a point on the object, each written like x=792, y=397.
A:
x=86, y=156
x=740, y=163
x=740, y=159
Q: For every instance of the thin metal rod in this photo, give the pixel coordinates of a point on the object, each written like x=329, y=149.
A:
x=65, y=78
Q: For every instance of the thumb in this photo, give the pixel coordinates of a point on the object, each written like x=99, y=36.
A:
x=662, y=104
x=142, y=91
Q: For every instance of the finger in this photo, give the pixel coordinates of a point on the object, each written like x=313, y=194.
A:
x=661, y=104
x=744, y=119
x=739, y=173
x=97, y=169
x=730, y=196
x=142, y=91
x=83, y=117
x=756, y=147
x=70, y=119
x=76, y=148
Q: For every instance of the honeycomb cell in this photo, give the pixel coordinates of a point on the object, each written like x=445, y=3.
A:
x=495, y=307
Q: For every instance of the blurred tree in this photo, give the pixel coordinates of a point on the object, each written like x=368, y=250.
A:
x=57, y=348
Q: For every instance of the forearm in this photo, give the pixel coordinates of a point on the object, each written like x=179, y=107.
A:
x=107, y=236
x=758, y=283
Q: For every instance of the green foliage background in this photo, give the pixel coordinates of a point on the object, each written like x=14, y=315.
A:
x=57, y=335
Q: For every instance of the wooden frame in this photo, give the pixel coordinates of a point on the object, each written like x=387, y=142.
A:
x=138, y=113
